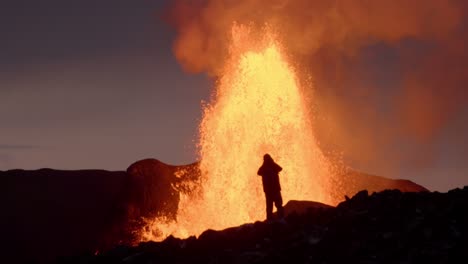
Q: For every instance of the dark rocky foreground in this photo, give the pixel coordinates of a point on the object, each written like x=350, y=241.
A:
x=51, y=213
x=384, y=227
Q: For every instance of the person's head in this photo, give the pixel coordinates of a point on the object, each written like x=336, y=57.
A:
x=267, y=158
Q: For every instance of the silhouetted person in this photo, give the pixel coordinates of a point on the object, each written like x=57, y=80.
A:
x=271, y=186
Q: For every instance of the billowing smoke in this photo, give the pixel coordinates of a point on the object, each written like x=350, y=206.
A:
x=306, y=26
x=385, y=72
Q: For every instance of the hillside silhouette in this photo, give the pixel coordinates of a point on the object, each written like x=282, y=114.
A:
x=384, y=227
x=54, y=213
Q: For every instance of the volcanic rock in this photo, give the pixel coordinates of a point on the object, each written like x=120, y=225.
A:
x=385, y=227
x=352, y=182
x=49, y=213
x=301, y=207
x=153, y=187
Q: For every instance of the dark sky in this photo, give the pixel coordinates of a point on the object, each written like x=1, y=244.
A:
x=92, y=84
x=95, y=84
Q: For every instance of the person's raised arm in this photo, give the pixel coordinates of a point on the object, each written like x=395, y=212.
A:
x=278, y=168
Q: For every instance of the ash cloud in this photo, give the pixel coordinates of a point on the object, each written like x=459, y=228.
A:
x=306, y=26
x=384, y=72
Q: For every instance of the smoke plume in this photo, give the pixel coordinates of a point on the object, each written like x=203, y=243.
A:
x=368, y=102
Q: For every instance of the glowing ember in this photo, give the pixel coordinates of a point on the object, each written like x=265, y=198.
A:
x=259, y=107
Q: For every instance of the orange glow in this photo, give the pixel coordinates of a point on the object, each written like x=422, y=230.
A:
x=258, y=107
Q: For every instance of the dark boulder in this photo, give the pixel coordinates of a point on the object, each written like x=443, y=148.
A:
x=153, y=187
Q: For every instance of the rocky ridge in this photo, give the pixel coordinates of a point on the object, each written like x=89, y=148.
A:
x=385, y=227
x=51, y=213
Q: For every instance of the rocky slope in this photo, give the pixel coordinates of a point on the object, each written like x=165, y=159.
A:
x=47, y=213
x=154, y=186
x=384, y=227
x=50, y=213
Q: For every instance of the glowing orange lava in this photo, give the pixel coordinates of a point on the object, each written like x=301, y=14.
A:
x=259, y=107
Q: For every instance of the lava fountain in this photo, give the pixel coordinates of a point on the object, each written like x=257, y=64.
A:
x=259, y=107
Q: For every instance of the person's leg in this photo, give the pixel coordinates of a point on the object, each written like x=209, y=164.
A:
x=279, y=204
x=269, y=206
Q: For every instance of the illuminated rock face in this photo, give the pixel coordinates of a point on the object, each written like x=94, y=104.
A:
x=150, y=191
x=152, y=187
